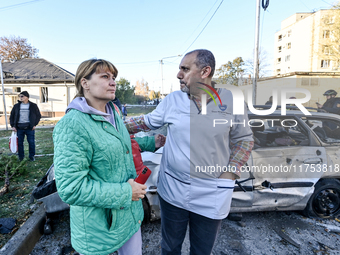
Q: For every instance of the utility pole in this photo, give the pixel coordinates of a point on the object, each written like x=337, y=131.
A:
x=161, y=62
x=256, y=51
x=3, y=94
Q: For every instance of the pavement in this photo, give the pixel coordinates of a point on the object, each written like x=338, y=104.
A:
x=257, y=233
x=24, y=240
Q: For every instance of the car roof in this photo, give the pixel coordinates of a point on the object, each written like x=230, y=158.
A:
x=299, y=114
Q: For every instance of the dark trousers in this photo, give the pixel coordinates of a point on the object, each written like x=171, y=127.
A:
x=174, y=221
x=31, y=143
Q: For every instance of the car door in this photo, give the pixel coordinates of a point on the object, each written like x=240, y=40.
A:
x=286, y=162
x=243, y=192
x=327, y=128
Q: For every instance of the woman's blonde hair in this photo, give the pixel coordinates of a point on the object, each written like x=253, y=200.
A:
x=89, y=67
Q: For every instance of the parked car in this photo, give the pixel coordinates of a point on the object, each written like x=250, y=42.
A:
x=294, y=165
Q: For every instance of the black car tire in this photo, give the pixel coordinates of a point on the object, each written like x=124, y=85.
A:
x=325, y=201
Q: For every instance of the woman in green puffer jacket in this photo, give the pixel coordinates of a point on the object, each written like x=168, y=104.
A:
x=94, y=168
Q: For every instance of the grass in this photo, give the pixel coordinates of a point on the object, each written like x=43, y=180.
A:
x=15, y=204
x=138, y=110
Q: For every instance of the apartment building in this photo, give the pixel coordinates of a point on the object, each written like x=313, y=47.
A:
x=307, y=43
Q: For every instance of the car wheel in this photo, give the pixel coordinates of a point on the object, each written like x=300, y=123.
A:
x=325, y=201
x=146, y=209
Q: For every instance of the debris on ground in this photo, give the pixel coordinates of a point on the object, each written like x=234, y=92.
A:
x=286, y=237
x=7, y=225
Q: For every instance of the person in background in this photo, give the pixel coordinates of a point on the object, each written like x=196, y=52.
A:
x=117, y=102
x=332, y=103
x=270, y=101
x=187, y=197
x=291, y=104
x=124, y=111
x=24, y=117
x=94, y=168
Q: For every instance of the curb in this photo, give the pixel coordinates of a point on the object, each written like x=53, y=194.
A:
x=24, y=240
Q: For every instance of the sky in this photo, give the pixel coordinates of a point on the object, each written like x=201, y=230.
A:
x=136, y=34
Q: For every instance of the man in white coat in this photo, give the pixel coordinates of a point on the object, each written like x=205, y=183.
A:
x=200, y=160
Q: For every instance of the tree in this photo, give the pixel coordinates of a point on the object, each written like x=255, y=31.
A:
x=329, y=47
x=262, y=62
x=230, y=72
x=158, y=94
x=142, y=88
x=9, y=167
x=14, y=48
x=152, y=95
x=125, y=92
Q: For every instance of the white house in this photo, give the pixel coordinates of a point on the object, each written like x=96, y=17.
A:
x=50, y=86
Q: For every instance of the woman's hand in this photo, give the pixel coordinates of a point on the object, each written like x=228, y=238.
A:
x=138, y=190
x=159, y=140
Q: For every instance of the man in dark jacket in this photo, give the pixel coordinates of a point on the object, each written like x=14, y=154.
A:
x=332, y=104
x=25, y=115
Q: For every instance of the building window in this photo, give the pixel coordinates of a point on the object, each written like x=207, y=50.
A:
x=289, y=45
x=17, y=89
x=43, y=94
x=280, y=37
x=326, y=34
x=287, y=58
x=304, y=81
x=332, y=36
x=279, y=60
x=278, y=71
x=329, y=20
x=325, y=63
x=279, y=49
x=289, y=33
x=314, y=81
x=326, y=50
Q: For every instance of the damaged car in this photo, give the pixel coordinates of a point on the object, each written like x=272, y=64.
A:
x=294, y=165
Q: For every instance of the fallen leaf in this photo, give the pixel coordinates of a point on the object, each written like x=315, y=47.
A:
x=14, y=230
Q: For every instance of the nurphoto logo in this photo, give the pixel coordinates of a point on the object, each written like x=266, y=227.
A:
x=238, y=100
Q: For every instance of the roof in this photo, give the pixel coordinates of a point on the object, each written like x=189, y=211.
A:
x=35, y=70
x=321, y=74
x=299, y=114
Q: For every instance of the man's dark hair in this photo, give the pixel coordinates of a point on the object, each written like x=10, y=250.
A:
x=204, y=58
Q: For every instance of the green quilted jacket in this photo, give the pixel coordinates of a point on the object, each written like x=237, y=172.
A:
x=93, y=163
